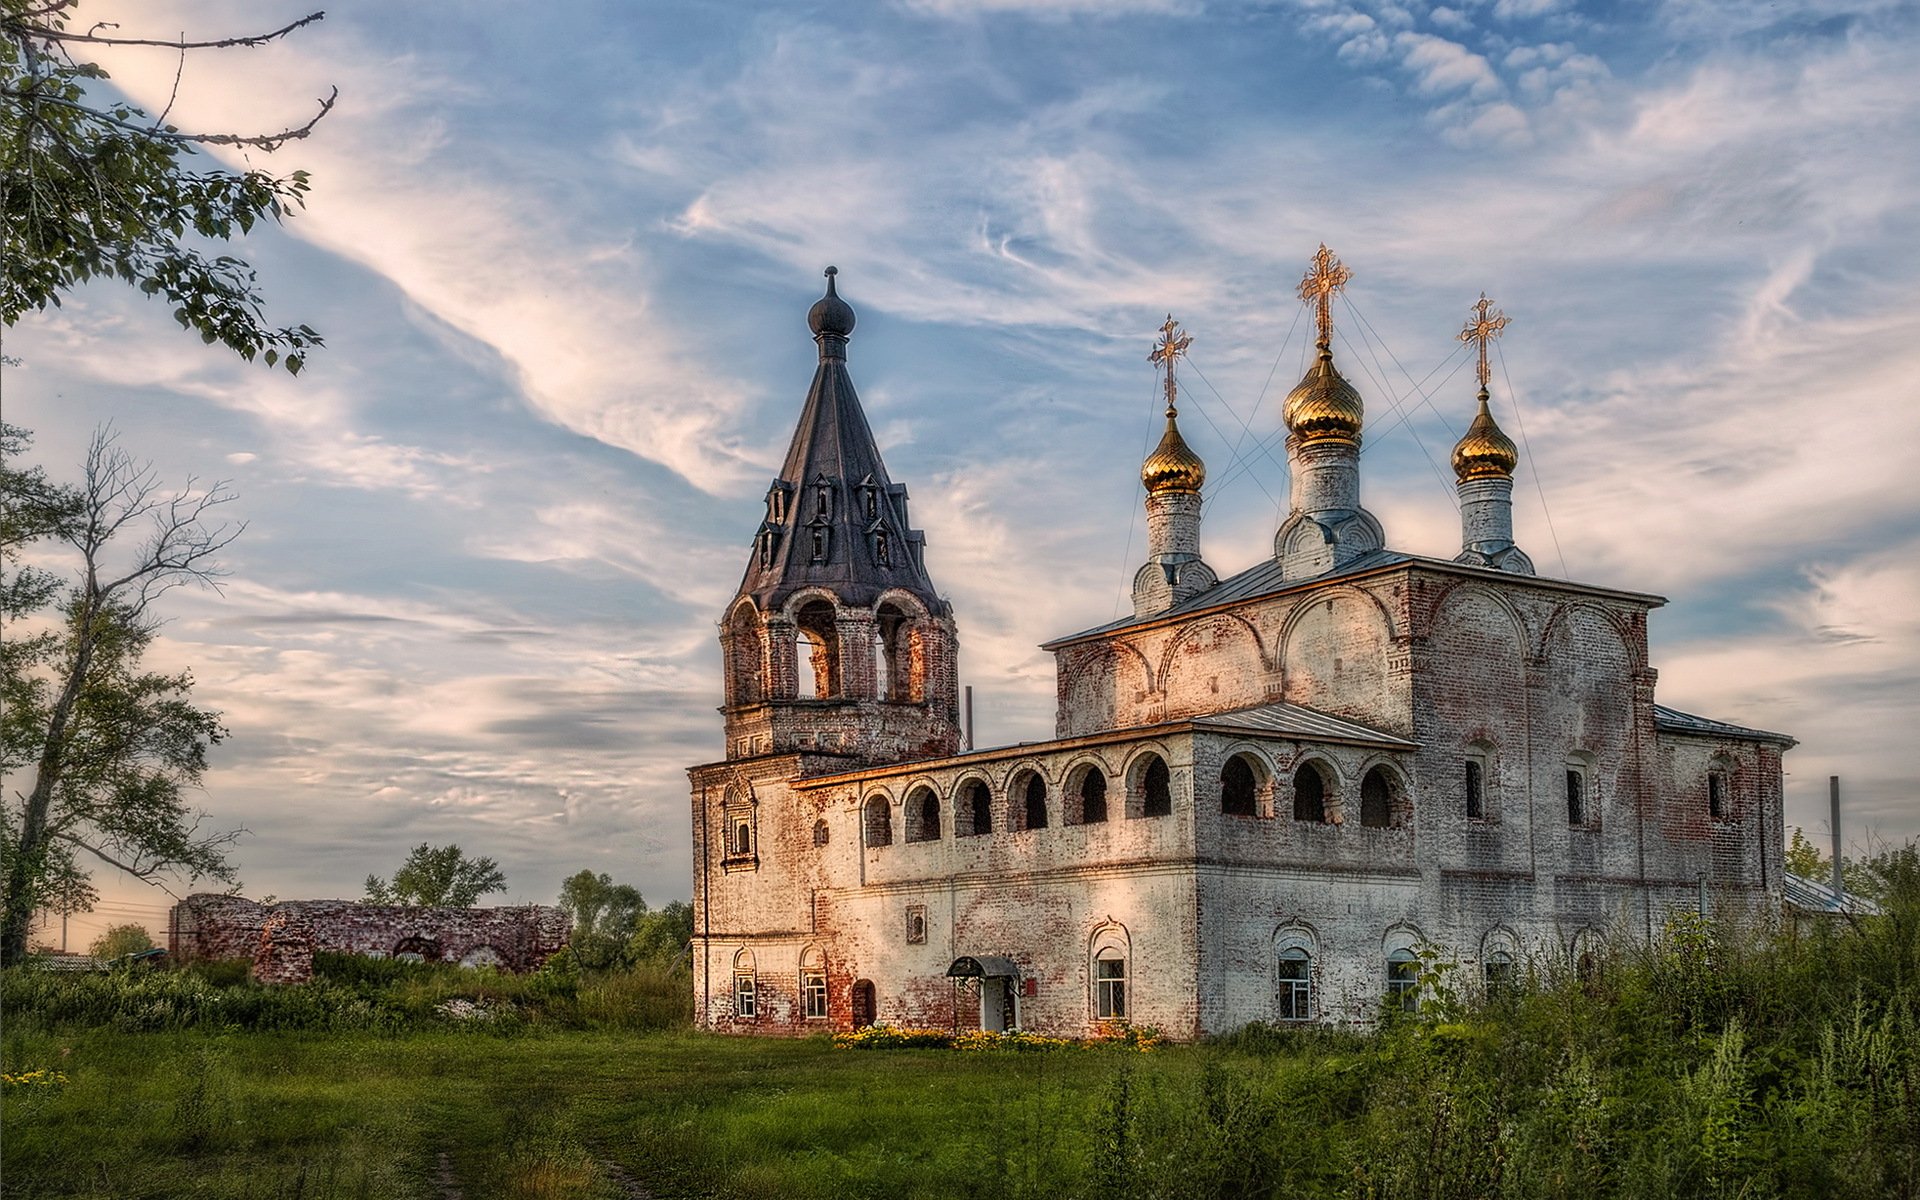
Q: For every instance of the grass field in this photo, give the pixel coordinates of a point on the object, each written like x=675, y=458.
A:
x=1720, y=1065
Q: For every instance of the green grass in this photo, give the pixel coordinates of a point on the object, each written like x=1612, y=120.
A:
x=1720, y=1065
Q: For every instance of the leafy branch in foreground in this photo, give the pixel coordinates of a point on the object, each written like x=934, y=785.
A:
x=90, y=185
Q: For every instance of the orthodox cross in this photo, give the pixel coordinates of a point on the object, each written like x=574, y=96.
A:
x=1325, y=278
x=1172, y=344
x=1482, y=327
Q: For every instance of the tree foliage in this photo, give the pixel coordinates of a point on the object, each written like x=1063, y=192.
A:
x=613, y=927
x=438, y=877
x=120, y=941
x=110, y=749
x=1807, y=860
x=92, y=186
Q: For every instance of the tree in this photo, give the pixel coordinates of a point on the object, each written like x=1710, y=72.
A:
x=92, y=186
x=120, y=941
x=438, y=877
x=110, y=749
x=661, y=936
x=604, y=914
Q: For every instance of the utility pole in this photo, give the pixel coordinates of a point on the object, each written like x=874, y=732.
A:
x=1839, y=884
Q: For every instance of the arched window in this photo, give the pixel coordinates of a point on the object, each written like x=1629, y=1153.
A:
x=974, y=816
x=877, y=821
x=1110, y=985
x=900, y=655
x=1473, y=786
x=1309, y=794
x=1090, y=798
x=1157, y=788
x=745, y=665
x=1717, y=795
x=864, y=1005
x=1296, y=984
x=1376, y=800
x=1403, y=980
x=820, y=832
x=742, y=838
x=817, y=651
x=1239, y=787
x=813, y=983
x=1033, y=800
x=923, y=815
x=1579, y=812
x=745, y=990
x=1498, y=969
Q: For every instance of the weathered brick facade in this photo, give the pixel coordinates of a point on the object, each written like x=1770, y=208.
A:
x=1259, y=797
x=280, y=939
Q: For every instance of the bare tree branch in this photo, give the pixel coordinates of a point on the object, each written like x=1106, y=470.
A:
x=259, y=141
x=20, y=28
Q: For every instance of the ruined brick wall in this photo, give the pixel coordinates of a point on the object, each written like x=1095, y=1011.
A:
x=520, y=938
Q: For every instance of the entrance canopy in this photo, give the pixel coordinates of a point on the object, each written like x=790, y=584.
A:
x=984, y=966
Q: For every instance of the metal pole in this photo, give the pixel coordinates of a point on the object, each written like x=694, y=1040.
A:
x=1839, y=885
x=969, y=713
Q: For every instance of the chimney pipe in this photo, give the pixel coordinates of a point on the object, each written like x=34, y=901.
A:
x=1833, y=789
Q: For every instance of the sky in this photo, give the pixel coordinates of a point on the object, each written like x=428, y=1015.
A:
x=562, y=261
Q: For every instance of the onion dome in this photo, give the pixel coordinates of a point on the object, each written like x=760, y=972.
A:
x=1173, y=466
x=831, y=314
x=1324, y=407
x=1484, y=452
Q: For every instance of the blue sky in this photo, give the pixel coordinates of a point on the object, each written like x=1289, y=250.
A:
x=562, y=266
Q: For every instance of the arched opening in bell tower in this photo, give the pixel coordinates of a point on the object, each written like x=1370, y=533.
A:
x=817, y=651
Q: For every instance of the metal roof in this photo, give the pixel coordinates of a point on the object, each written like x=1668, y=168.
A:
x=1815, y=896
x=1674, y=721
x=1292, y=720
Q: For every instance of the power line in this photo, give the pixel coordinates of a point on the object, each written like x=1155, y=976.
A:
x=1533, y=468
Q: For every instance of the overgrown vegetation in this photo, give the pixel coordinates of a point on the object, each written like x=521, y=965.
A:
x=1723, y=1063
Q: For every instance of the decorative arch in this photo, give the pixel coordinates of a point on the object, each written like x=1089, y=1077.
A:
x=817, y=649
x=1085, y=800
x=876, y=821
x=1295, y=957
x=1621, y=625
x=1149, y=783
x=1472, y=589
x=901, y=647
x=972, y=806
x=1246, y=782
x=1333, y=651
x=923, y=814
x=1386, y=799
x=1316, y=790
x=1199, y=673
x=1027, y=799
x=744, y=645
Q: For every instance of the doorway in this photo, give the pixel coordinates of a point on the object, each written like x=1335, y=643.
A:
x=863, y=1003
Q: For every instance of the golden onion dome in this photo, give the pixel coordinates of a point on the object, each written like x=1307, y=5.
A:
x=1173, y=466
x=1484, y=452
x=1324, y=406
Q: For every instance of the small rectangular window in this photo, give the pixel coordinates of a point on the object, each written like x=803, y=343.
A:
x=813, y=991
x=1110, y=988
x=1716, y=795
x=1475, y=782
x=916, y=924
x=743, y=998
x=1576, y=797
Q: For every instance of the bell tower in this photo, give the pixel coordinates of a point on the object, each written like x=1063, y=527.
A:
x=836, y=642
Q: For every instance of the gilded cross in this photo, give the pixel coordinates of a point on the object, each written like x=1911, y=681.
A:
x=1326, y=276
x=1482, y=327
x=1172, y=344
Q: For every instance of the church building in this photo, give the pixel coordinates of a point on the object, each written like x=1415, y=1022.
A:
x=1264, y=794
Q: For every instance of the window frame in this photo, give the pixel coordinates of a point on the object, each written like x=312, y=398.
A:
x=813, y=993
x=1403, y=980
x=746, y=998
x=1110, y=987
x=1294, y=997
